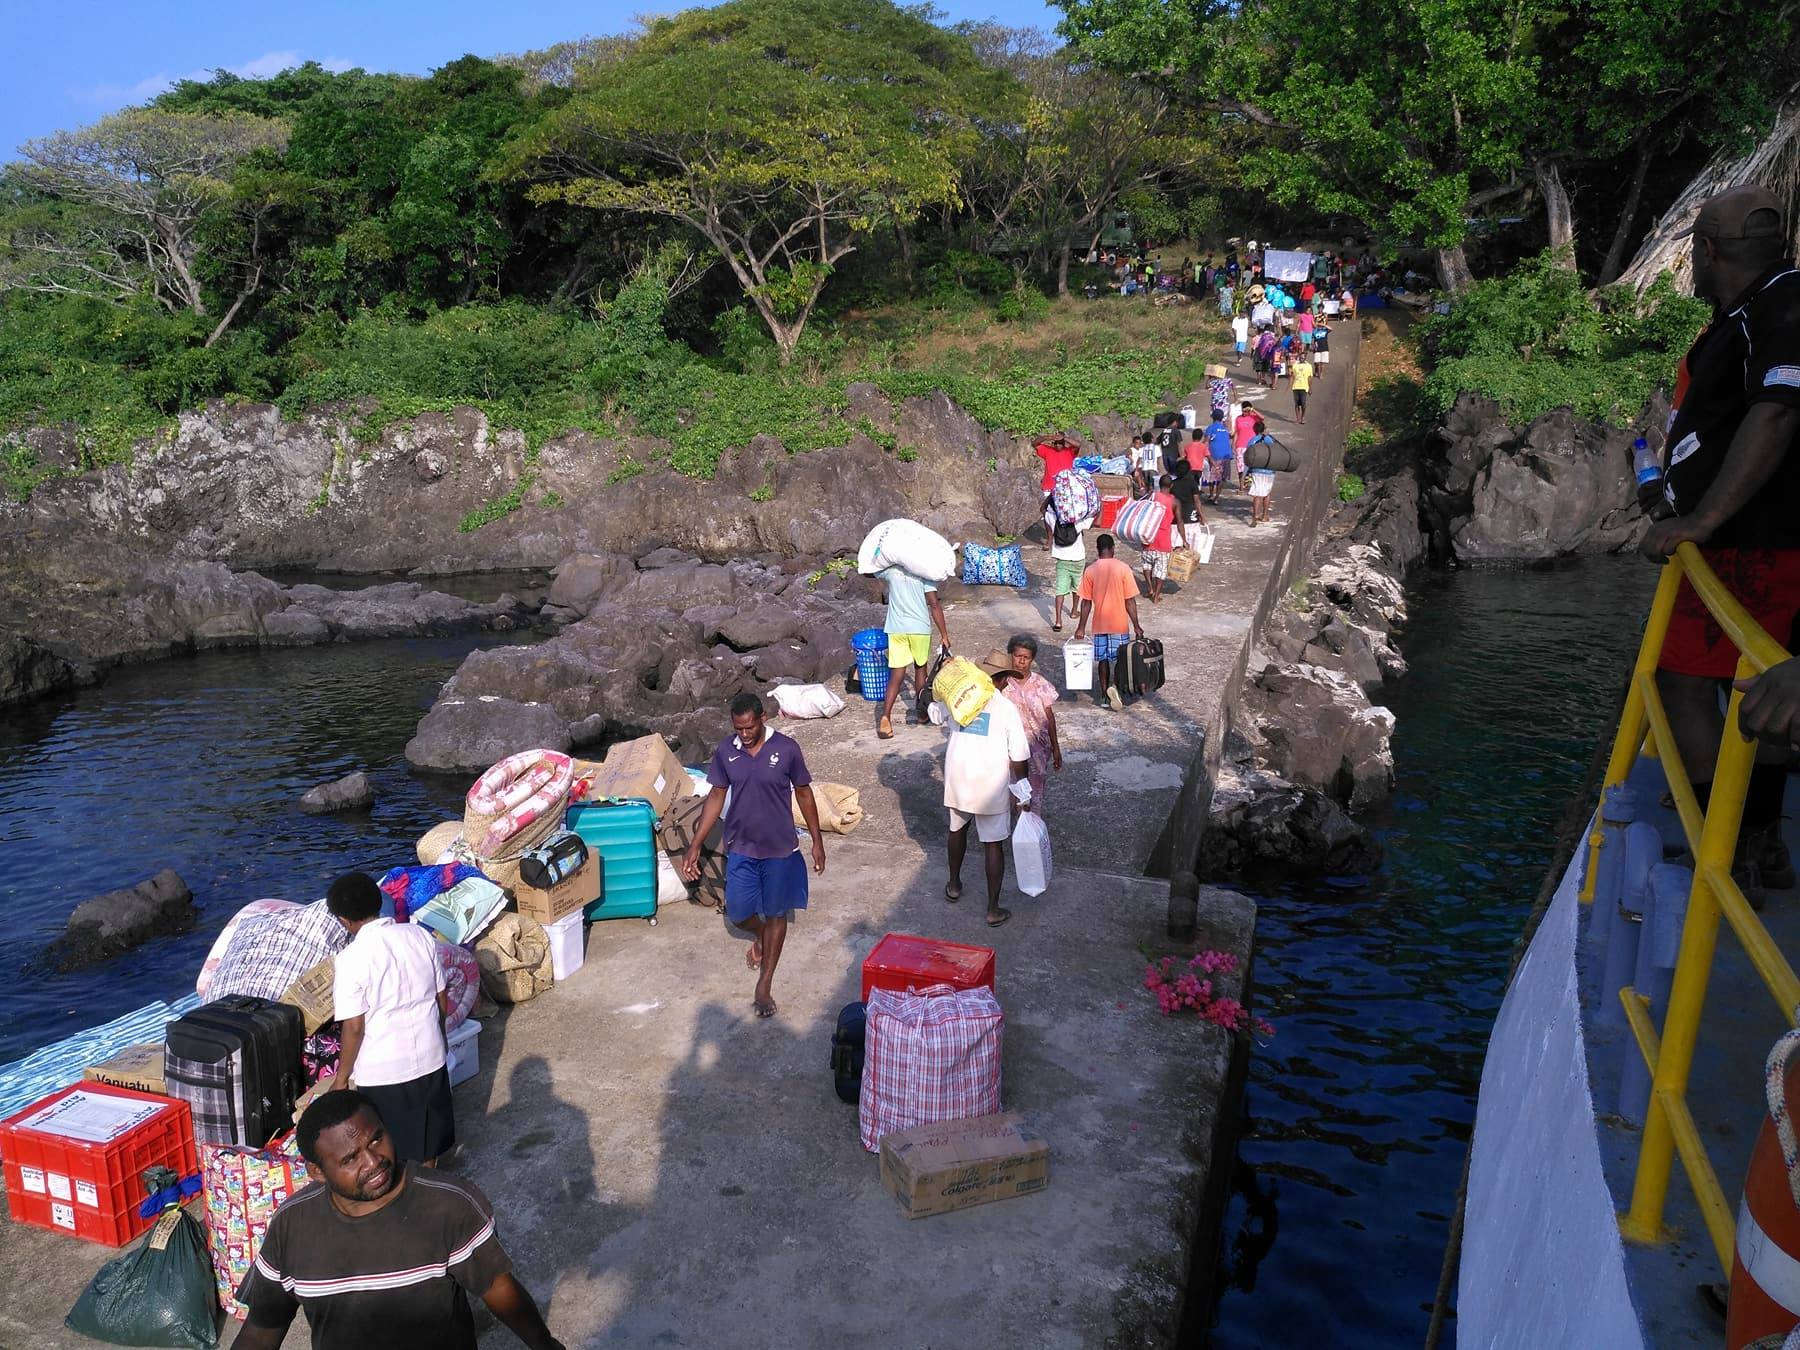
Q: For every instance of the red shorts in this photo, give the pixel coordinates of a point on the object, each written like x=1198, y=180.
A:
x=1766, y=581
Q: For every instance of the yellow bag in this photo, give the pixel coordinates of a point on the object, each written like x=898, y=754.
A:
x=964, y=688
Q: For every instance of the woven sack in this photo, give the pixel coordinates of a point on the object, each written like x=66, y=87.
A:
x=515, y=959
x=439, y=840
x=964, y=688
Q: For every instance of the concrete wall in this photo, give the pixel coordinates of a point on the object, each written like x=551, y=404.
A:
x=1312, y=496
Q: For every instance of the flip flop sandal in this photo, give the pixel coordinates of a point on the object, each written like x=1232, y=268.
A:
x=952, y=893
x=885, y=729
x=998, y=917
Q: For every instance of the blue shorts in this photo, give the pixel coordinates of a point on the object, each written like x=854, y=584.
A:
x=1240, y=348
x=767, y=887
x=1107, y=646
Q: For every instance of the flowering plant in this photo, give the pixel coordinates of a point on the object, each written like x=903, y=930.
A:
x=1190, y=989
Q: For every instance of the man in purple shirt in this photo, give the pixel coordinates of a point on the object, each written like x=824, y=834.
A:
x=765, y=876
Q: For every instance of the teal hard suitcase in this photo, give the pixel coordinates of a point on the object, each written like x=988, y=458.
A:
x=622, y=830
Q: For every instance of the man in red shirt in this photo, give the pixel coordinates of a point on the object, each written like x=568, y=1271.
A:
x=1057, y=456
x=1156, y=553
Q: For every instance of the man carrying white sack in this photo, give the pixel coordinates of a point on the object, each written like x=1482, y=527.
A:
x=986, y=764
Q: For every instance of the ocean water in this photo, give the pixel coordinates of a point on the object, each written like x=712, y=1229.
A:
x=1383, y=989
x=198, y=764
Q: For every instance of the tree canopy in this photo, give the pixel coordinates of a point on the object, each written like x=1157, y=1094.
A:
x=780, y=131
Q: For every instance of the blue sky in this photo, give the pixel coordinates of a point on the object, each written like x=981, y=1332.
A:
x=72, y=61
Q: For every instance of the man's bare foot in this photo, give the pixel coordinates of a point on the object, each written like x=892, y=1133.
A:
x=753, y=957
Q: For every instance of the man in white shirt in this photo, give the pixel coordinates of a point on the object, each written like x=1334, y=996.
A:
x=388, y=988
x=982, y=764
x=1240, y=335
x=1068, y=551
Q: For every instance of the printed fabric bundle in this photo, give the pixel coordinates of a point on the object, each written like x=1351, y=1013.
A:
x=1075, y=496
x=1004, y=566
x=244, y=1187
x=412, y=888
x=929, y=1056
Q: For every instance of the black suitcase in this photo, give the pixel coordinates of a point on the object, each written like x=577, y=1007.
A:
x=1141, y=667
x=847, y=1052
x=236, y=1063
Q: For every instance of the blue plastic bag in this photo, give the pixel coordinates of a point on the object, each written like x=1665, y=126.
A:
x=1003, y=566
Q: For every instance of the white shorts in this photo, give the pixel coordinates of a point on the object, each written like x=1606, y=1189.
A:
x=992, y=829
x=1321, y=358
x=1261, y=484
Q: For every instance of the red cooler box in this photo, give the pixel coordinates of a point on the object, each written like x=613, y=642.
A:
x=901, y=961
x=1109, y=511
x=75, y=1160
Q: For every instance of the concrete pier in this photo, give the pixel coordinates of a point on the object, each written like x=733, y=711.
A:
x=668, y=1169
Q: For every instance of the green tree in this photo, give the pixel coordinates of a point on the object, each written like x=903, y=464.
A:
x=1400, y=114
x=780, y=131
x=140, y=191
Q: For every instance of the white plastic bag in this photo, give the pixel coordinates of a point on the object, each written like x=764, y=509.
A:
x=1203, y=545
x=1078, y=664
x=1031, y=853
x=807, y=700
x=670, y=888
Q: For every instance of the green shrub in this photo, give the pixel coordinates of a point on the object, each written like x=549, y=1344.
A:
x=1533, y=340
x=763, y=493
x=1349, y=487
x=1360, y=438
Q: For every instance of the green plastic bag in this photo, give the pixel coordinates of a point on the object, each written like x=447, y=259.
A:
x=161, y=1292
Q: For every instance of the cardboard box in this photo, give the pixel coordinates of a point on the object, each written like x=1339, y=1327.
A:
x=312, y=995
x=565, y=898
x=644, y=768
x=136, y=1066
x=934, y=1169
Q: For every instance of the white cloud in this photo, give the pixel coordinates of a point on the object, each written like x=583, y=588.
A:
x=269, y=63
x=260, y=68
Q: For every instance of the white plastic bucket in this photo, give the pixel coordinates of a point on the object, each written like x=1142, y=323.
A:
x=1078, y=664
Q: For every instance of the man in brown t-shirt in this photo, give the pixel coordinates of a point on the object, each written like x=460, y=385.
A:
x=379, y=1254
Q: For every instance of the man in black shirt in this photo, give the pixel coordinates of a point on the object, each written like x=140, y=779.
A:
x=1732, y=478
x=379, y=1254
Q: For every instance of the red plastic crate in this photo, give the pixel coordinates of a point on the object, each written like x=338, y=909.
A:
x=1109, y=511
x=89, y=1181
x=901, y=961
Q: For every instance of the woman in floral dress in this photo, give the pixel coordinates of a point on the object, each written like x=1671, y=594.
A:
x=1032, y=694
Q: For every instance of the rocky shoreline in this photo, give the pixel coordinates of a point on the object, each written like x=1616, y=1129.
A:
x=1311, y=743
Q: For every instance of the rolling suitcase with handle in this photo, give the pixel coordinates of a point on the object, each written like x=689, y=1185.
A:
x=1141, y=667
x=236, y=1063
x=622, y=830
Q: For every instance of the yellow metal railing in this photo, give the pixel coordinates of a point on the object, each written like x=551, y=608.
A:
x=1669, y=1129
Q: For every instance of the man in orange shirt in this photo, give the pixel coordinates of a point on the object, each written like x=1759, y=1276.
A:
x=1108, y=595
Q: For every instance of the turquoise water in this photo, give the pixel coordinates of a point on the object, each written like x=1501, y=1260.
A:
x=1359, y=1110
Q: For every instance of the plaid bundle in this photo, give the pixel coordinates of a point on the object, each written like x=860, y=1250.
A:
x=213, y=1091
x=928, y=1057
x=268, y=952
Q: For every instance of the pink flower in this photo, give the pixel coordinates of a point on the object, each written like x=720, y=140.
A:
x=1215, y=962
x=1152, y=977
x=1264, y=1027
x=1226, y=1012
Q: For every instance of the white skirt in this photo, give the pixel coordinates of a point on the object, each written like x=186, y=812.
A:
x=1262, y=483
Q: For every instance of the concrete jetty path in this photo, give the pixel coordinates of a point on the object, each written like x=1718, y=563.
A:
x=670, y=1170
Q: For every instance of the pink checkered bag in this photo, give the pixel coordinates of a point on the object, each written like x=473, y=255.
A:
x=929, y=1056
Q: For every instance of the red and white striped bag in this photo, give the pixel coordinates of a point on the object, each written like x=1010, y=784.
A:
x=928, y=1057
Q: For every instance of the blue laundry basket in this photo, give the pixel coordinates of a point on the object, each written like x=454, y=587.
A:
x=871, y=646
